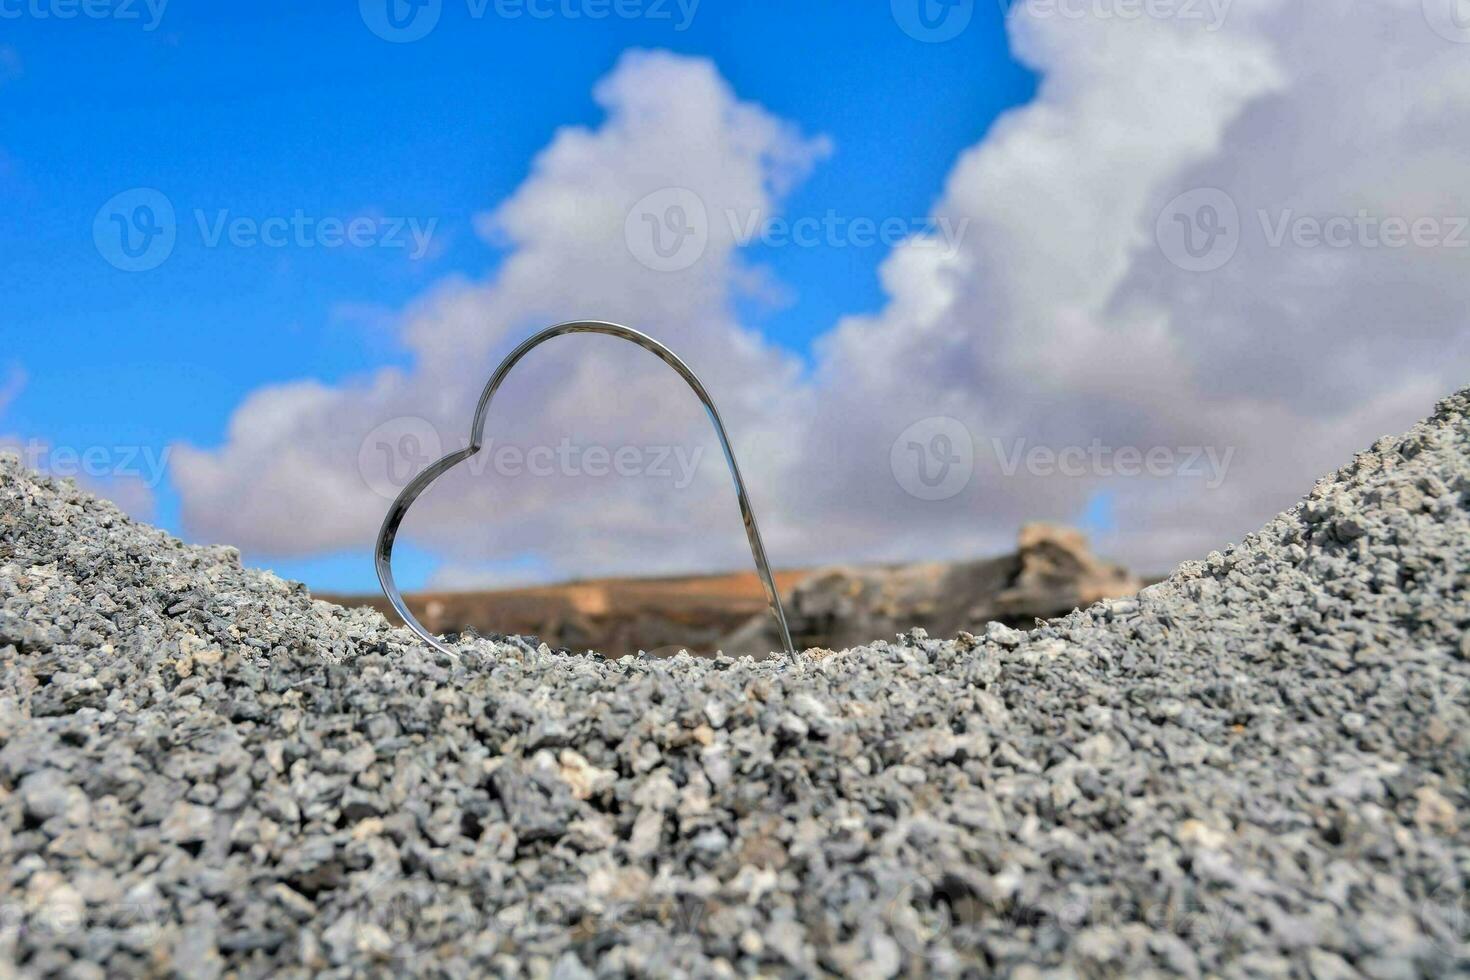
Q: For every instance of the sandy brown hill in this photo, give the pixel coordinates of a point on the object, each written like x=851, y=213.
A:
x=1051, y=572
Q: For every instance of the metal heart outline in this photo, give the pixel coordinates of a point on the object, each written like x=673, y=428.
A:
x=383, y=555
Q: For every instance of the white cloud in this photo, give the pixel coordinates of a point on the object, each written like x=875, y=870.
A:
x=288, y=482
x=1066, y=322
x=1061, y=320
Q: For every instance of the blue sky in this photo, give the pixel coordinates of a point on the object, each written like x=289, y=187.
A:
x=1074, y=310
x=265, y=109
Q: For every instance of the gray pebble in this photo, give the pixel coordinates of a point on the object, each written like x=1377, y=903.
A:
x=1255, y=768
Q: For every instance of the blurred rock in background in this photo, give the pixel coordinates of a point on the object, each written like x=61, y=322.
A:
x=1051, y=572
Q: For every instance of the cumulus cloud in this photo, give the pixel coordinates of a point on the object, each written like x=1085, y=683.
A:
x=1069, y=322
x=304, y=467
x=1137, y=274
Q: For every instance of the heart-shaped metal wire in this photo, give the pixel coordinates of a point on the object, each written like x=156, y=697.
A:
x=416, y=486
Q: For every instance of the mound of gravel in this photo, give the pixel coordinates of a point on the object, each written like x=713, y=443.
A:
x=1256, y=768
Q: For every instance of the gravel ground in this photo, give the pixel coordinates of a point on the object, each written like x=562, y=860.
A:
x=1256, y=768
